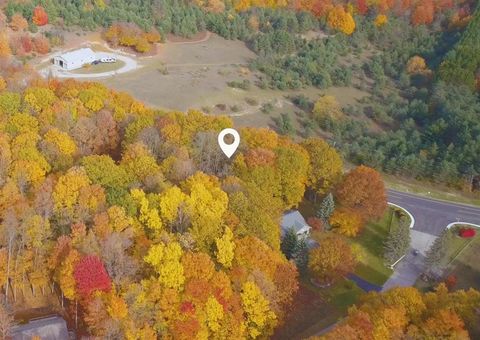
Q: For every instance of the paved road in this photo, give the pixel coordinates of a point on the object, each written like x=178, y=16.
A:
x=432, y=216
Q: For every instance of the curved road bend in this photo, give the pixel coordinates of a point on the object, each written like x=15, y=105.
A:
x=431, y=215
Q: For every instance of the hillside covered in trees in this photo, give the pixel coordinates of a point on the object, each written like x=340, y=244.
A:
x=421, y=117
x=135, y=217
x=144, y=229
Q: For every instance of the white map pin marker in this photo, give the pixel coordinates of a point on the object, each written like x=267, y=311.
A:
x=229, y=149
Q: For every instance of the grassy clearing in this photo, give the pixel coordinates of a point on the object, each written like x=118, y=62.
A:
x=370, y=243
x=100, y=68
x=463, y=262
x=436, y=191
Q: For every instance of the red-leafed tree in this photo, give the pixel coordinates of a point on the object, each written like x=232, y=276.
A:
x=90, y=275
x=40, y=17
x=362, y=7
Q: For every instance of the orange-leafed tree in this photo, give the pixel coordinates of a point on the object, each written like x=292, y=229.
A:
x=18, y=22
x=341, y=20
x=424, y=13
x=363, y=190
x=318, y=7
x=41, y=44
x=5, y=50
x=332, y=259
x=40, y=16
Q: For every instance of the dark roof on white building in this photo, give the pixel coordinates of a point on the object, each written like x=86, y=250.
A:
x=50, y=328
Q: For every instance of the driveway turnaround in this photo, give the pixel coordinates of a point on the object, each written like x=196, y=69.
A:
x=406, y=272
x=431, y=218
x=130, y=65
x=431, y=215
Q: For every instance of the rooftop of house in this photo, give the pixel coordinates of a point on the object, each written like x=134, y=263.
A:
x=51, y=328
x=293, y=220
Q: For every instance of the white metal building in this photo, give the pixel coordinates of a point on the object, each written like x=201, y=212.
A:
x=75, y=59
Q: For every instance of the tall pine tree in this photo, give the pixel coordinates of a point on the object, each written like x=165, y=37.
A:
x=289, y=243
x=326, y=209
x=437, y=250
x=301, y=255
x=397, y=243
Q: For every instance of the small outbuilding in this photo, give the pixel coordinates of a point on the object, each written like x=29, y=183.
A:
x=294, y=220
x=75, y=59
x=51, y=328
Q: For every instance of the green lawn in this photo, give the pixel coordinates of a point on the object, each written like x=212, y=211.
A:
x=370, y=242
x=455, y=245
x=343, y=294
x=436, y=191
x=100, y=68
x=460, y=260
x=465, y=265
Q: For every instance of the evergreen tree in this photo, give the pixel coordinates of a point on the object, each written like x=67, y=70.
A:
x=397, y=243
x=437, y=250
x=301, y=255
x=289, y=243
x=326, y=209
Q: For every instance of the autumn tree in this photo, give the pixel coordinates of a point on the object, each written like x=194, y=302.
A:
x=406, y=312
x=362, y=7
x=206, y=203
x=18, y=22
x=165, y=259
x=417, y=65
x=326, y=165
x=327, y=107
x=339, y=19
x=381, y=20
x=363, y=190
x=90, y=275
x=346, y=221
x=40, y=16
x=332, y=259
x=41, y=44
x=5, y=50
x=225, y=248
x=423, y=13
x=260, y=320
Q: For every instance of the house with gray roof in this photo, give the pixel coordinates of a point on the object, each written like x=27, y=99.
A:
x=49, y=328
x=294, y=220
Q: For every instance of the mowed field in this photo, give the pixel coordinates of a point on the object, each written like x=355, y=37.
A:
x=195, y=75
x=187, y=75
